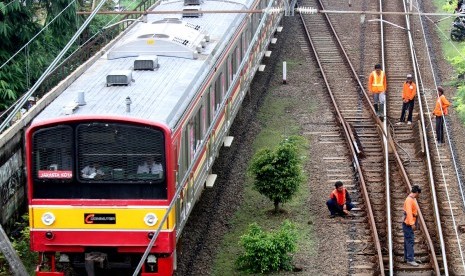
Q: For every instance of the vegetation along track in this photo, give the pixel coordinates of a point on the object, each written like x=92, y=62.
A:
x=406, y=167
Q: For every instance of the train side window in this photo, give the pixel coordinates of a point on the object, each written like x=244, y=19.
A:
x=184, y=153
x=230, y=70
x=191, y=141
x=218, y=94
x=197, y=129
x=211, y=93
x=244, y=42
x=236, y=59
x=223, y=85
x=203, y=119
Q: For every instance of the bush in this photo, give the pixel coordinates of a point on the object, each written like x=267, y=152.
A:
x=267, y=252
x=278, y=172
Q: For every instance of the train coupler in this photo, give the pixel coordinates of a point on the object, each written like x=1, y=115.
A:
x=93, y=258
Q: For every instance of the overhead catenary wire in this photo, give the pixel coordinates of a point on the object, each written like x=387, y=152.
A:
x=4, y=124
x=32, y=39
x=436, y=145
x=6, y=112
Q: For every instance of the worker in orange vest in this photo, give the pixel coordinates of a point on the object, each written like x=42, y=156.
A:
x=409, y=225
x=377, y=85
x=339, y=202
x=409, y=91
x=439, y=111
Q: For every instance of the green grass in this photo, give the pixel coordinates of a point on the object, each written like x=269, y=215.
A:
x=278, y=121
x=454, y=53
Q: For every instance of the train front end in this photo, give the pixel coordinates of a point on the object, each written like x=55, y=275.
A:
x=98, y=190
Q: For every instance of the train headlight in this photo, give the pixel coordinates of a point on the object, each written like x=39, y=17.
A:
x=151, y=259
x=150, y=219
x=48, y=218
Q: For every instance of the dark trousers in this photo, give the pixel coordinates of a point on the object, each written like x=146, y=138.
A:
x=440, y=129
x=337, y=209
x=409, y=241
x=408, y=105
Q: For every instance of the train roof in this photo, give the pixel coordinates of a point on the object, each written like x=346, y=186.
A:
x=163, y=94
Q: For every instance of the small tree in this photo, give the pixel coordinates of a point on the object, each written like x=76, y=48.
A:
x=267, y=252
x=278, y=172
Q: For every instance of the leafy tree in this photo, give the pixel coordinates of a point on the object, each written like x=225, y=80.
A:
x=17, y=26
x=278, y=172
x=268, y=252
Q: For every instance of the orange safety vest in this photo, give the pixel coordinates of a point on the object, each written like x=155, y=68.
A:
x=410, y=210
x=409, y=91
x=339, y=196
x=377, y=84
x=442, y=101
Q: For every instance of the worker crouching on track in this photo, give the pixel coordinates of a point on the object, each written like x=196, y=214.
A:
x=339, y=202
x=409, y=225
x=377, y=85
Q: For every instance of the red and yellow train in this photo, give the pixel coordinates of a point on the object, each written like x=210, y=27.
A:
x=138, y=129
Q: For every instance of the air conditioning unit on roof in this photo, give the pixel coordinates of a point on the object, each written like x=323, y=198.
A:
x=193, y=11
x=146, y=63
x=119, y=77
x=191, y=2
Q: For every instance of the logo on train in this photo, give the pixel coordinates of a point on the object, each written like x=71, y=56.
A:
x=92, y=218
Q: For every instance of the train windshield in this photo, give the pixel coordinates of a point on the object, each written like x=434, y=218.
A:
x=99, y=160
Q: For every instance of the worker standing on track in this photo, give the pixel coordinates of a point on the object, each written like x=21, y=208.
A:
x=439, y=111
x=409, y=225
x=377, y=85
x=409, y=91
x=339, y=202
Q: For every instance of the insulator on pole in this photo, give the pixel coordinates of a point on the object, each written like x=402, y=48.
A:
x=273, y=10
x=307, y=10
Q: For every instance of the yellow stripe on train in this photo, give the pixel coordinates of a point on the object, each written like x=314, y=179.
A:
x=61, y=217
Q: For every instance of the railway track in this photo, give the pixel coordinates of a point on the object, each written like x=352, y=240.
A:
x=349, y=106
x=406, y=165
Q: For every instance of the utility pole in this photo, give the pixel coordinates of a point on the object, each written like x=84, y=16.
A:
x=16, y=266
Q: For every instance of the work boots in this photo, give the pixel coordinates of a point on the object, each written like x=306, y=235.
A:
x=381, y=110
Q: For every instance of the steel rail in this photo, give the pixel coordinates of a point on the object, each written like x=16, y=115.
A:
x=393, y=147
x=427, y=151
x=427, y=50
x=349, y=140
x=409, y=187
x=386, y=150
